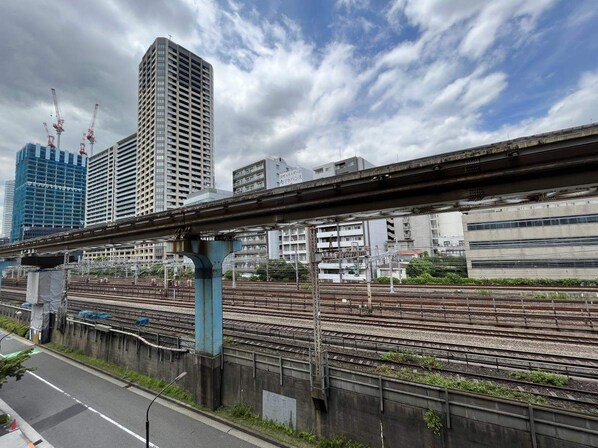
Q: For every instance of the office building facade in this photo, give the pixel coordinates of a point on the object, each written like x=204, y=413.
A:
x=9, y=193
x=549, y=240
x=49, y=196
x=175, y=129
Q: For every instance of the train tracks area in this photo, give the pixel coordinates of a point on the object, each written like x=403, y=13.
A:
x=420, y=335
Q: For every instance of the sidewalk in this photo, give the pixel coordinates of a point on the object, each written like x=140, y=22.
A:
x=22, y=435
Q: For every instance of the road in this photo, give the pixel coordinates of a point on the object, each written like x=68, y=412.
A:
x=71, y=405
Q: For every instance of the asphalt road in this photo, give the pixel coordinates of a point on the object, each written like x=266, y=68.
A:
x=73, y=406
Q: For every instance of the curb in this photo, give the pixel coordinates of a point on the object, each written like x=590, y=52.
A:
x=32, y=435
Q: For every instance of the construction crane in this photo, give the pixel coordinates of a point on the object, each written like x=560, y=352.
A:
x=50, y=137
x=90, y=135
x=82, y=145
x=59, y=125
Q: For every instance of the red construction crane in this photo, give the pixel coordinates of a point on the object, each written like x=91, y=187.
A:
x=59, y=125
x=82, y=146
x=90, y=135
x=50, y=137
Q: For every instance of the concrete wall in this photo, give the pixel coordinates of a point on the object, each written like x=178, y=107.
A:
x=381, y=412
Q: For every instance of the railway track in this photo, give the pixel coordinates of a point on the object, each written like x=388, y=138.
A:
x=404, y=317
x=363, y=351
x=366, y=354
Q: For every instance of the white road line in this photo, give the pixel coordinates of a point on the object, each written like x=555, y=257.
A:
x=105, y=417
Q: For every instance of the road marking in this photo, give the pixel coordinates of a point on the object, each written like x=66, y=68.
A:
x=105, y=417
x=12, y=355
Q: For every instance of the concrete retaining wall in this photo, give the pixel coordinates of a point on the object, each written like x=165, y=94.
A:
x=381, y=412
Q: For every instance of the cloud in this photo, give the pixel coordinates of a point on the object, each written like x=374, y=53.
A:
x=410, y=79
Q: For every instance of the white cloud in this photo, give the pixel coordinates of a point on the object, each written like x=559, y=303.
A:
x=277, y=91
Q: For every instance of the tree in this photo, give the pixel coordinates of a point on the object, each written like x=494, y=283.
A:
x=13, y=366
x=419, y=266
x=281, y=271
x=444, y=265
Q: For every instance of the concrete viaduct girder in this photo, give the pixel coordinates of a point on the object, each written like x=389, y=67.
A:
x=537, y=168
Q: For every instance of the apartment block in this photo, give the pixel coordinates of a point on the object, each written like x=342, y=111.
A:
x=175, y=130
x=111, y=190
x=9, y=193
x=270, y=172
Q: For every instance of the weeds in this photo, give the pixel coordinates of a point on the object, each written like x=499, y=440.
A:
x=408, y=356
x=242, y=413
x=540, y=377
x=13, y=326
x=433, y=422
x=475, y=386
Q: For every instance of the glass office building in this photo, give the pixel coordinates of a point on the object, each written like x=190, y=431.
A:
x=49, y=192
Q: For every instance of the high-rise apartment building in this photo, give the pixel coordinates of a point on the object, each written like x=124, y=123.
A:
x=49, y=192
x=9, y=192
x=111, y=183
x=270, y=172
x=175, y=129
x=111, y=190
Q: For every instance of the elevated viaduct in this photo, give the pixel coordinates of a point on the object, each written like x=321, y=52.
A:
x=545, y=167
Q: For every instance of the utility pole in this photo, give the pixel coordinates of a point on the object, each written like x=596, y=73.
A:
x=340, y=261
x=368, y=279
x=296, y=268
x=392, y=286
x=234, y=273
x=314, y=258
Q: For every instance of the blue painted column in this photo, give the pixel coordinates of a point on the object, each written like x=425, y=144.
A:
x=207, y=256
x=5, y=264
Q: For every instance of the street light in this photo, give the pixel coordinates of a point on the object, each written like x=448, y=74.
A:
x=147, y=442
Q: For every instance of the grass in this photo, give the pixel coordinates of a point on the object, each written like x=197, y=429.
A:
x=239, y=413
x=539, y=377
x=13, y=326
x=408, y=356
x=475, y=386
x=127, y=375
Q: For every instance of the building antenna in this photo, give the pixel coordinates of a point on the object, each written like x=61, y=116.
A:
x=170, y=37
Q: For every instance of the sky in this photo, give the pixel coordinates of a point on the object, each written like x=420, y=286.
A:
x=312, y=81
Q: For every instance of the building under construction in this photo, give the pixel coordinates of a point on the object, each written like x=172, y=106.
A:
x=49, y=192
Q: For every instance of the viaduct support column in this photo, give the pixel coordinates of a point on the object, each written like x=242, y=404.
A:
x=207, y=256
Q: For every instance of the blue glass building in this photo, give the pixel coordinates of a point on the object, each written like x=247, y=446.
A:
x=49, y=192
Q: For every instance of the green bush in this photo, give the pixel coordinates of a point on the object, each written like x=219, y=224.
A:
x=13, y=326
x=429, y=279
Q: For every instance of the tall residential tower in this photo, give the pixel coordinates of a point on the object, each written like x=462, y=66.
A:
x=9, y=193
x=175, y=130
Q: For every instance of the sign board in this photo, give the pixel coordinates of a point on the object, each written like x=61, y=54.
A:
x=290, y=177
